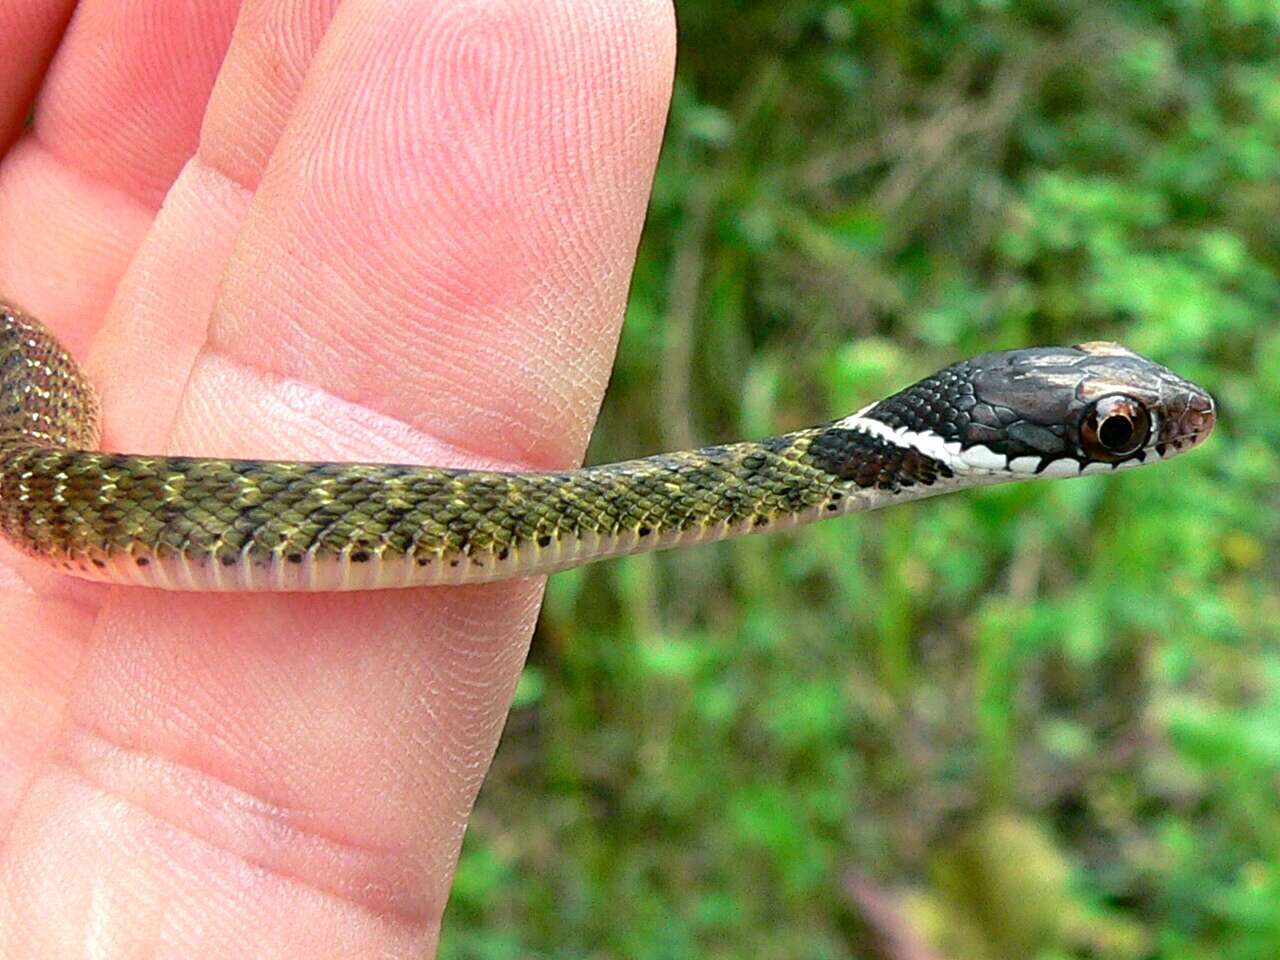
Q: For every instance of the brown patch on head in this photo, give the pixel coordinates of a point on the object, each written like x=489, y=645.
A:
x=1104, y=348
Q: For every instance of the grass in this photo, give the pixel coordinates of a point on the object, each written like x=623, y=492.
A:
x=1035, y=721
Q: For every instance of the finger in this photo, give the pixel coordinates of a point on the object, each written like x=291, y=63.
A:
x=123, y=102
x=450, y=243
x=29, y=33
x=163, y=305
x=63, y=242
x=118, y=116
x=458, y=178
x=274, y=43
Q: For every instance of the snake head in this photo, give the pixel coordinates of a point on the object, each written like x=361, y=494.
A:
x=1045, y=411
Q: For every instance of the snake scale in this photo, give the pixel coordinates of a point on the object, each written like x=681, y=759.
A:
x=187, y=523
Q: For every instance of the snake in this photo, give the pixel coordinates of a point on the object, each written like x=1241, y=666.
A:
x=191, y=523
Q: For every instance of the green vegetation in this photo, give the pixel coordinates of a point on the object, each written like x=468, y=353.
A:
x=1042, y=720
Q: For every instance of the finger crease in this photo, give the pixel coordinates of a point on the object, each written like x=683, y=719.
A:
x=147, y=782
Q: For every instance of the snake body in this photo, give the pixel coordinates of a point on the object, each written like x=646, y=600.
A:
x=208, y=524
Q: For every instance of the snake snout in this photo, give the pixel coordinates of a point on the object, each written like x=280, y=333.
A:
x=1200, y=415
x=1187, y=422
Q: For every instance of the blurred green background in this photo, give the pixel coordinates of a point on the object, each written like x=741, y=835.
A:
x=1037, y=721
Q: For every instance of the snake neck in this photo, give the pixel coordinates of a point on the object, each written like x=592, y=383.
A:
x=719, y=492
x=745, y=486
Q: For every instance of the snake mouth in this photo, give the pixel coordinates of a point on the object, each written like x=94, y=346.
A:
x=1181, y=443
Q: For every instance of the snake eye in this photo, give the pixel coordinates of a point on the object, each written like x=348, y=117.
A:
x=1114, y=428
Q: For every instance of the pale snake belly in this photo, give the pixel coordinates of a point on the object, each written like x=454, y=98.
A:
x=188, y=523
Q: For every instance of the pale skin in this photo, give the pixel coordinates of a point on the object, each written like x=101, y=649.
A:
x=393, y=230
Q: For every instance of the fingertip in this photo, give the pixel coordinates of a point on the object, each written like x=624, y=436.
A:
x=124, y=98
x=30, y=31
x=452, y=216
x=259, y=84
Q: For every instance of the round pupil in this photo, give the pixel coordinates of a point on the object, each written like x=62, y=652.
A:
x=1115, y=432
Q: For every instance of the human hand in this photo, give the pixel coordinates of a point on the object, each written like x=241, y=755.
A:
x=390, y=231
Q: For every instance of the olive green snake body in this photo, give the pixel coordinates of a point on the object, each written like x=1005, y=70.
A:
x=211, y=524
